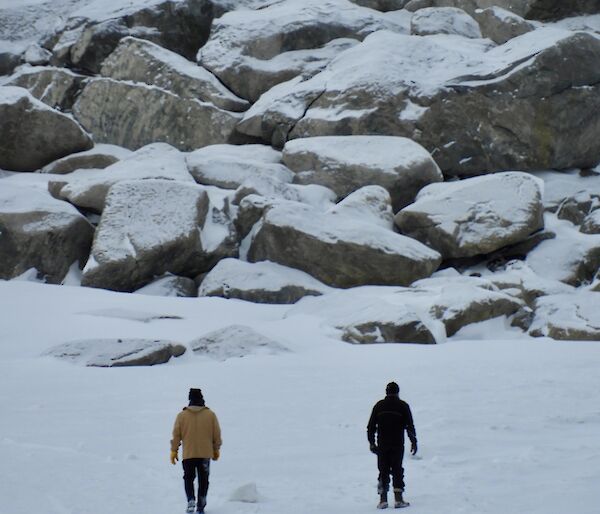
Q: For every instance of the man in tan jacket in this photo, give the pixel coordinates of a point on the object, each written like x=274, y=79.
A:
x=198, y=428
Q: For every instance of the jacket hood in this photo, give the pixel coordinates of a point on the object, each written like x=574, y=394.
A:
x=195, y=408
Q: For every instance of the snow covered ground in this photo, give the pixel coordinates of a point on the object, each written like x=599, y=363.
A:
x=504, y=425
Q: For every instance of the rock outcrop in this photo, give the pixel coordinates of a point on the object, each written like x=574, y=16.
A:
x=32, y=134
x=444, y=20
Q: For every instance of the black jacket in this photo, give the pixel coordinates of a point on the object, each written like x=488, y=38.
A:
x=389, y=419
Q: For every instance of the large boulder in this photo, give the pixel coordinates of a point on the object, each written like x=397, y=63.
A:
x=476, y=108
x=339, y=251
x=229, y=166
x=32, y=134
x=251, y=51
x=99, y=157
x=133, y=115
x=347, y=163
x=94, y=31
x=260, y=282
x=475, y=216
x=138, y=60
x=148, y=228
x=501, y=25
x=110, y=353
x=372, y=204
x=568, y=316
x=37, y=231
x=56, y=87
x=87, y=189
x=444, y=20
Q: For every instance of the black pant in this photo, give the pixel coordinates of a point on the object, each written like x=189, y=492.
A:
x=389, y=462
x=190, y=468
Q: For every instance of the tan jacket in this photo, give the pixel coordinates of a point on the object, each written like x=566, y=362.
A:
x=198, y=429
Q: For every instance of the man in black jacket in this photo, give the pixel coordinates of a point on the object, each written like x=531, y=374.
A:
x=389, y=419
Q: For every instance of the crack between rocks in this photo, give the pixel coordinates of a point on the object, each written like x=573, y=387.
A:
x=310, y=104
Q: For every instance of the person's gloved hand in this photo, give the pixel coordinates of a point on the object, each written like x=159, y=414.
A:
x=373, y=448
x=216, y=455
x=413, y=448
x=174, y=458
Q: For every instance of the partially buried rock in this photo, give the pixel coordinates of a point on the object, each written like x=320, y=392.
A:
x=37, y=231
x=347, y=163
x=148, y=228
x=179, y=287
x=110, y=353
x=99, y=157
x=339, y=251
x=235, y=341
x=32, y=134
x=260, y=282
x=475, y=216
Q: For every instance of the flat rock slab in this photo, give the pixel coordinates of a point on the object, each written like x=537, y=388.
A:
x=260, y=282
x=37, y=231
x=133, y=115
x=99, y=157
x=339, y=251
x=32, y=134
x=347, y=163
x=111, y=353
x=476, y=215
x=148, y=228
x=235, y=341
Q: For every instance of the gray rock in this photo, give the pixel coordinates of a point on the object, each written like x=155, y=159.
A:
x=381, y=5
x=182, y=27
x=110, y=353
x=370, y=203
x=36, y=55
x=148, y=228
x=251, y=208
x=260, y=282
x=32, y=134
x=572, y=317
x=477, y=109
x=501, y=25
x=172, y=286
x=347, y=163
x=341, y=252
x=444, y=20
x=475, y=216
x=133, y=115
x=99, y=157
x=591, y=223
x=403, y=329
x=235, y=341
x=37, y=231
x=9, y=60
x=576, y=208
x=142, y=61
x=55, y=87
x=252, y=51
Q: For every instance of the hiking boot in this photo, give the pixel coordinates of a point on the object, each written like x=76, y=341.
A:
x=191, y=506
x=201, y=504
x=383, y=503
x=399, y=502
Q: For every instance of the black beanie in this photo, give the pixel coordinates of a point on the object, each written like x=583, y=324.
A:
x=392, y=388
x=196, y=397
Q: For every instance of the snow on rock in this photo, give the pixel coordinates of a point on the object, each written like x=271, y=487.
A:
x=138, y=60
x=170, y=285
x=572, y=257
x=87, y=189
x=591, y=223
x=444, y=20
x=347, y=163
x=148, y=228
x=235, y=341
x=501, y=25
x=259, y=282
x=371, y=204
x=36, y=55
x=99, y=157
x=56, y=87
x=37, y=231
x=92, y=32
x=229, y=166
x=476, y=215
x=32, y=134
x=132, y=115
x=339, y=251
x=252, y=51
x=109, y=353
x=568, y=317
x=471, y=107
x=247, y=493
x=561, y=187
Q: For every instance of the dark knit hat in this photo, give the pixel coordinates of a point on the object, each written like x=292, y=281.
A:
x=392, y=388
x=196, y=396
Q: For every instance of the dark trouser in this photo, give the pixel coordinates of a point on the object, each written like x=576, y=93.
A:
x=190, y=468
x=389, y=462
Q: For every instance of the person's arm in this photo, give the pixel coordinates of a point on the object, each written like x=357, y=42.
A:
x=410, y=430
x=372, y=429
x=176, y=439
x=217, y=441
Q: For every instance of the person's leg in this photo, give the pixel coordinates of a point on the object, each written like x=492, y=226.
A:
x=383, y=464
x=189, y=474
x=397, y=471
x=203, y=468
